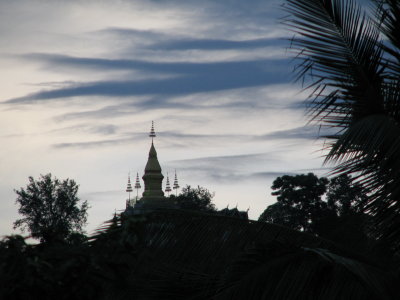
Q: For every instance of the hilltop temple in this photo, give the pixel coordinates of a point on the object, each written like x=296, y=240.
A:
x=153, y=195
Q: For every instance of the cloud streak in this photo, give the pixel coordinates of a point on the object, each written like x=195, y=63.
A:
x=154, y=40
x=184, y=139
x=188, y=78
x=93, y=144
x=303, y=132
x=231, y=168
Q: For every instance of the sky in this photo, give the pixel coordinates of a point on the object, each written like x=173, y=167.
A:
x=81, y=82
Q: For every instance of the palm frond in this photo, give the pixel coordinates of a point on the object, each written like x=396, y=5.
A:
x=387, y=13
x=339, y=48
x=355, y=78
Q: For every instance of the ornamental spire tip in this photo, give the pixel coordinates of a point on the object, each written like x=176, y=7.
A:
x=152, y=132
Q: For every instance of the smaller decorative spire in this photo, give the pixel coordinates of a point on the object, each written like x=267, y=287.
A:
x=137, y=186
x=176, y=185
x=129, y=190
x=129, y=187
x=137, y=183
x=152, y=132
x=168, y=186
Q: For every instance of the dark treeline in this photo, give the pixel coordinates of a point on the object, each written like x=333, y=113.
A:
x=174, y=254
x=330, y=208
x=195, y=252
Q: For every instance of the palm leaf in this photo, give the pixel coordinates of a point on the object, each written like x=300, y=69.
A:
x=387, y=13
x=356, y=90
x=339, y=49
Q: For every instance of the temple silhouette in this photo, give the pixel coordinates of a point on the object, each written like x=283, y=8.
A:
x=153, y=196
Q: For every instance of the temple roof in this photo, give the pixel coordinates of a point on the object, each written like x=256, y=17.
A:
x=152, y=163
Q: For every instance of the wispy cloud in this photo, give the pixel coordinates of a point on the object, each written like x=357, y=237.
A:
x=231, y=168
x=99, y=129
x=157, y=40
x=54, y=61
x=242, y=158
x=190, y=78
x=92, y=144
x=216, y=44
x=180, y=139
x=302, y=132
x=170, y=139
x=95, y=129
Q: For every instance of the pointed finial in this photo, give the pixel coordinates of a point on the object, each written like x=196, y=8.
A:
x=129, y=186
x=167, y=186
x=129, y=190
x=152, y=132
x=137, y=183
x=137, y=186
x=176, y=185
x=248, y=209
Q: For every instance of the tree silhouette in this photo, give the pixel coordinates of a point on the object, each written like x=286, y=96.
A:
x=345, y=197
x=195, y=199
x=51, y=209
x=339, y=217
x=300, y=205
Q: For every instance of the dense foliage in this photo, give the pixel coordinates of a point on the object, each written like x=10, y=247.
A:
x=51, y=209
x=199, y=199
x=300, y=204
x=332, y=209
x=190, y=255
x=345, y=197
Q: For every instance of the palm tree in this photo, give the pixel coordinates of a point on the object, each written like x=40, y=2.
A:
x=351, y=62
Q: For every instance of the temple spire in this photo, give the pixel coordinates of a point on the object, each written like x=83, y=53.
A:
x=129, y=189
x=152, y=174
x=137, y=186
x=152, y=132
x=176, y=185
x=168, y=186
x=129, y=186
